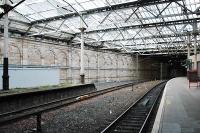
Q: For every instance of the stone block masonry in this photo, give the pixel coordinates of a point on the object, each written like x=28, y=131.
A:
x=99, y=65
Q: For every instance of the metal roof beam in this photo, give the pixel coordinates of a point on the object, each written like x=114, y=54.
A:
x=155, y=43
x=147, y=37
x=7, y=8
x=38, y=26
x=149, y=25
x=106, y=8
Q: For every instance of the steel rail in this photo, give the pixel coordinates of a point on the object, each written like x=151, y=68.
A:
x=116, y=123
x=13, y=116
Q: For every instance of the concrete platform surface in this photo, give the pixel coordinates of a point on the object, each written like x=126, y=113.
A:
x=179, y=110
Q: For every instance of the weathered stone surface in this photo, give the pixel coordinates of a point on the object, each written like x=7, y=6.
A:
x=99, y=65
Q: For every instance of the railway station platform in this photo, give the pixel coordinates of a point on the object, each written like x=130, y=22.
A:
x=179, y=110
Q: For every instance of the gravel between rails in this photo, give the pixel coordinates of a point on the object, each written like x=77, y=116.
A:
x=104, y=85
x=88, y=116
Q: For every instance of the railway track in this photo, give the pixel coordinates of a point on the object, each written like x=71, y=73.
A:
x=136, y=118
x=10, y=117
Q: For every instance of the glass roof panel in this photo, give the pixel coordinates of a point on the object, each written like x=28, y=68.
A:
x=113, y=2
x=36, y=16
x=22, y=8
x=88, y=5
x=61, y=16
x=41, y=6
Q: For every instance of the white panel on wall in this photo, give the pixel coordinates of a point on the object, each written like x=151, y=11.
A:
x=31, y=77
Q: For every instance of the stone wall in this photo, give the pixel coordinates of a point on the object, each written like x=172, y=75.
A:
x=99, y=65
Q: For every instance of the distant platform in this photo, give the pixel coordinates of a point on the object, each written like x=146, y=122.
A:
x=179, y=110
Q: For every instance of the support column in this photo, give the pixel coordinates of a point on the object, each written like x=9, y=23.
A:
x=117, y=68
x=161, y=71
x=98, y=76
x=82, y=29
x=195, y=44
x=71, y=64
x=137, y=74
x=5, y=52
x=188, y=46
x=188, y=49
x=82, y=71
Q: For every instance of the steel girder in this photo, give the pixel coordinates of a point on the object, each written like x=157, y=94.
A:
x=139, y=38
x=106, y=8
x=156, y=43
x=7, y=8
x=23, y=33
x=38, y=26
x=149, y=25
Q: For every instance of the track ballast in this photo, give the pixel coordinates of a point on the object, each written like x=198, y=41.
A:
x=136, y=118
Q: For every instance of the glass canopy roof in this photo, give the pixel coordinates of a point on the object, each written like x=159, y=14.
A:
x=144, y=26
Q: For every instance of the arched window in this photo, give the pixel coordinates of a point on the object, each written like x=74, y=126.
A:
x=62, y=58
x=49, y=58
x=34, y=56
x=14, y=55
